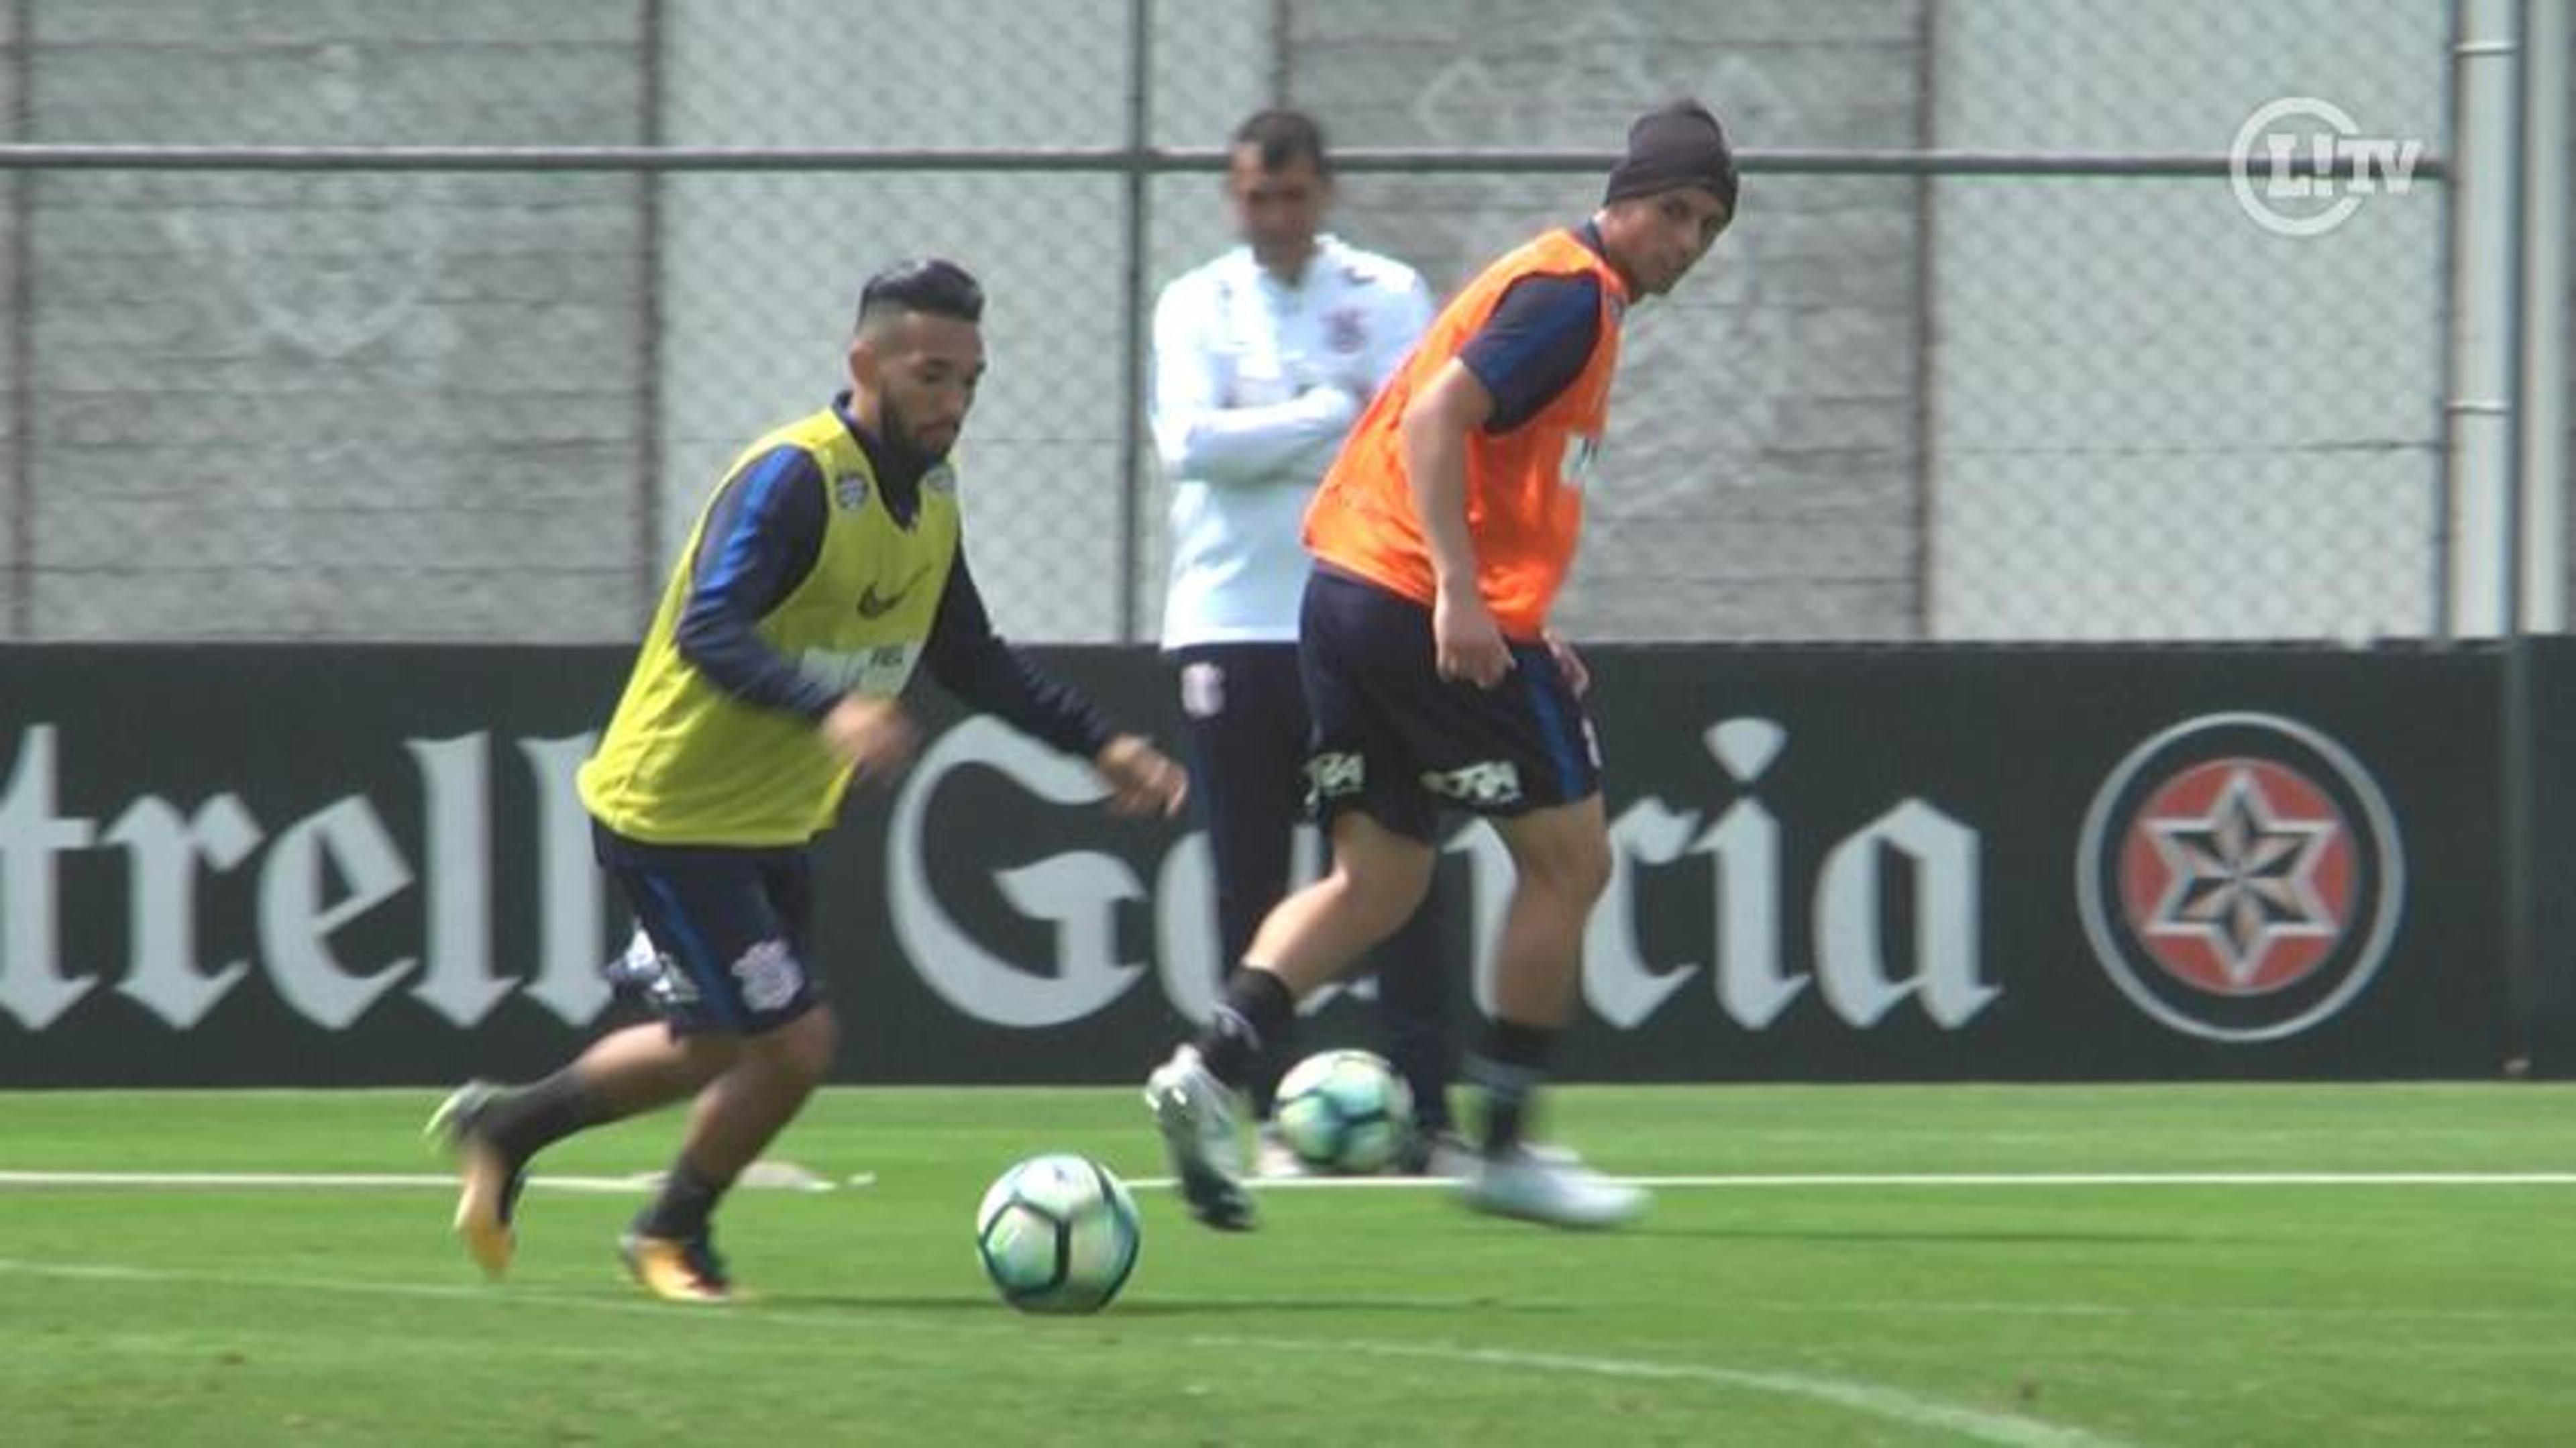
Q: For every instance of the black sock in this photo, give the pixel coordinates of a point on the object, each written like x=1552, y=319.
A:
x=1255, y=1012
x=1508, y=1072
x=682, y=1209
x=526, y=1121
x=1278, y=1050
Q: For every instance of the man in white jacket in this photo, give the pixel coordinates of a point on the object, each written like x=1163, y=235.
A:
x=1263, y=357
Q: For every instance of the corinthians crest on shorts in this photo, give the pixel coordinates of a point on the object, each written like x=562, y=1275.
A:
x=2240, y=876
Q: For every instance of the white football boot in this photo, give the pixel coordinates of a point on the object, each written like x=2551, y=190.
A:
x=1196, y=1113
x=1553, y=1187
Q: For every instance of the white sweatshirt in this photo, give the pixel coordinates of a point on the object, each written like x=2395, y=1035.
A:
x=1255, y=384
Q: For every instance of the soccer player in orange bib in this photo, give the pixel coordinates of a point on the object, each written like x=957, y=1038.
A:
x=1441, y=536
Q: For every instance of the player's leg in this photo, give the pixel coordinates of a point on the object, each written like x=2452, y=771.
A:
x=1380, y=827
x=1377, y=878
x=1363, y=655
x=747, y=965
x=494, y=1131
x=741, y=1111
x=1561, y=862
x=1522, y=754
x=1560, y=869
x=1562, y=858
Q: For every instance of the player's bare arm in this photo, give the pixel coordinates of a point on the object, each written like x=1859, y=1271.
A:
x=1436, y=425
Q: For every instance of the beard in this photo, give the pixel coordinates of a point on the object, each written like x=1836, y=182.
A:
x=905, y=443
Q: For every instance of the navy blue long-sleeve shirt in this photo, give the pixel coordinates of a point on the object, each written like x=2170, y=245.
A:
x=1538, y=339
x=762, y=535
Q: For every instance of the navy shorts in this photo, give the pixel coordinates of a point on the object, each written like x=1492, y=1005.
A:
x=1394, y=739
x=728, y=927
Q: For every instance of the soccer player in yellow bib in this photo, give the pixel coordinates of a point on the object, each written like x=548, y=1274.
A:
x=821, y=576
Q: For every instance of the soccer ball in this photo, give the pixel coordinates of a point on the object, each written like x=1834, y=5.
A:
x=1058, y=1233
x=1345, y=1112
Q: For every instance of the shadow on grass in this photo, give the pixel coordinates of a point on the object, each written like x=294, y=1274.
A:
x=1158, y=1305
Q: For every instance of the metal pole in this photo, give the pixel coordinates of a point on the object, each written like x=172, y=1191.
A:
x=648, y=436
x=22, y=337
x=2517, y=813
x=1092, y=160
x=2516, y=324
x=2441, y=528
x=1927, y=411
x=2540, y=368
x=1282, y=72
x=2478, y=407
x=1131, y=452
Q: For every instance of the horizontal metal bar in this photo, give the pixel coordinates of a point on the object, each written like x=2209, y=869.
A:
x=668, y=159
x=545, y=158
x=2031, y=163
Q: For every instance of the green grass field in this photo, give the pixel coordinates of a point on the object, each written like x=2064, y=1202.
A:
x=1985, y=1307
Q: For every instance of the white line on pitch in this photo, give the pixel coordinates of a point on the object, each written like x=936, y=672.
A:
x=322, y=1181
x=2136, y=1179
x=1858, y=1396
x=644, y=1181
x=1994, y=1179
x=369, y=1181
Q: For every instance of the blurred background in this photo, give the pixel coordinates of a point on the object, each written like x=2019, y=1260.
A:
x=1999, y=348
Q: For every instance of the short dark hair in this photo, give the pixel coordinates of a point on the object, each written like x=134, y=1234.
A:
x=922, y=284
x=1284, y=135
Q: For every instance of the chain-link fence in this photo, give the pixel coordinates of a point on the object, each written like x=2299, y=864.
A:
x=460, y=397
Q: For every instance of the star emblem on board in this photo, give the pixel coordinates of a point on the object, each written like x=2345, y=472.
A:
x=2241, y=877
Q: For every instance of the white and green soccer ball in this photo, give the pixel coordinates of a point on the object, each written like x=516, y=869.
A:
x=1058, y=1233
x=1344, y=1112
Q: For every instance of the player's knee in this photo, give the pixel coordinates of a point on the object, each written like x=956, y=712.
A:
x=803, y=1048
x=1575, y=866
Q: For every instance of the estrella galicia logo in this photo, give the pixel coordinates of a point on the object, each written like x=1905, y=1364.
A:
x=2240, y=877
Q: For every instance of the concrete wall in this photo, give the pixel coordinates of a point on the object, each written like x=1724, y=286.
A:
x=288, y=406
x=485, y=406
x=762, y=273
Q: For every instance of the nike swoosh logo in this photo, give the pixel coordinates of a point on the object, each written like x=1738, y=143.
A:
x=873, y=606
